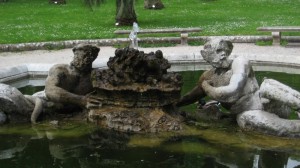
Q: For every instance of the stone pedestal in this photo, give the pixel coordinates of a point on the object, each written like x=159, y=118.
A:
x=135, y=119
x=276, y=38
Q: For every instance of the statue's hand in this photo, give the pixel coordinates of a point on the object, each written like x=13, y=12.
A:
x=211, y=103
x=93, y=102
x=206, y=84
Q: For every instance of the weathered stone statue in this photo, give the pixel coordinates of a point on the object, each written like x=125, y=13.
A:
x=133, y=36
x=67, y=87
x=71, y=85
x=137, y=93
x=233, y=84
x=16, y=107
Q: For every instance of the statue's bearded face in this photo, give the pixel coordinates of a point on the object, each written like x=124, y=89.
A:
x=217, y=54
x=82, y=60
x=84, y=57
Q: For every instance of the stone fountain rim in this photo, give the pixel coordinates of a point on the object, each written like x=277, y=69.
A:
x=9, y=74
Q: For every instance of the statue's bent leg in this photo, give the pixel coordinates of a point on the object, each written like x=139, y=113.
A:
x=3, y=117
x=265, y=122
x=274, y=90
x=38, y=108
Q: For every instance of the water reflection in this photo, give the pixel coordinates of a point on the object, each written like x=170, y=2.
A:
x=86, y=147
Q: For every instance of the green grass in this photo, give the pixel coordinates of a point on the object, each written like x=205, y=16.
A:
x=264, y=43
x=36, y=20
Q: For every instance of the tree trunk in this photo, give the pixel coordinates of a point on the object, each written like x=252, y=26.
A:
x=125, y=13
x=153, y=4
x=92, y=3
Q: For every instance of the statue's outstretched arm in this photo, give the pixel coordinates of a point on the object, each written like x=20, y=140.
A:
x=196, y=93
x=229, y=93
x=191, y=97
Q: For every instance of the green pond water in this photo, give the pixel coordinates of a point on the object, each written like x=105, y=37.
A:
x=84, y=145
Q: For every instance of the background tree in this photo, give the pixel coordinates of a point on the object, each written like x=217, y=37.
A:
x=125, y=14
x=93, y=3
x=153, y=4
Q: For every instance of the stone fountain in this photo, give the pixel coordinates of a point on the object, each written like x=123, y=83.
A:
x=137, y=93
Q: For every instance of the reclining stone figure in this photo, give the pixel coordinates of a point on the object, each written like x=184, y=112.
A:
x=232, y=82
x=15, y=107
x=66, y=86
x=70, y=85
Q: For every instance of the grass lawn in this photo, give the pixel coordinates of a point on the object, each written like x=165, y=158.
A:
x=37, y=20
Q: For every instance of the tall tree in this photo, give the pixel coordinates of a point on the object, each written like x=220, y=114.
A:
x=153, y=4
x=125, y=14
x=93, y=3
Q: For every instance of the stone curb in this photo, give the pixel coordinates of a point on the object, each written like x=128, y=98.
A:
x=110, y=42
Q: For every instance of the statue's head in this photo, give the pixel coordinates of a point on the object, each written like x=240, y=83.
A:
x=84, y=55
x=216, y=53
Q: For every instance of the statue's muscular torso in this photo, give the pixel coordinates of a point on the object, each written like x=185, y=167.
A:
x=71, y=80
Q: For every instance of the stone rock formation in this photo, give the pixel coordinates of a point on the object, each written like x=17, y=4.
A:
x=137, y=92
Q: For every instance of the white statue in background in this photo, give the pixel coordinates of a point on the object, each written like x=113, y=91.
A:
x=133, y=35
x=233, y=84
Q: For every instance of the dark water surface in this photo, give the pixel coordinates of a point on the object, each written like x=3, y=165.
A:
x=83, y=145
